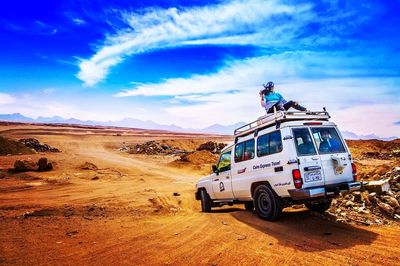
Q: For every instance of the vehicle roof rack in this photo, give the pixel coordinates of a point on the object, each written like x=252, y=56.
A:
x=278, y=117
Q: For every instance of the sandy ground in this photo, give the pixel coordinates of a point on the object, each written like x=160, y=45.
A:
x=129, y=215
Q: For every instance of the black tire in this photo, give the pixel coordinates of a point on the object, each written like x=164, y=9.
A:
x=205, y=201
x=320, y=207
x=268, y=205
x=249, y=205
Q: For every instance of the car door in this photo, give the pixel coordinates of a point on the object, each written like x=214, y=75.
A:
x=221, y=180
x=309, y=161
x=335, y=159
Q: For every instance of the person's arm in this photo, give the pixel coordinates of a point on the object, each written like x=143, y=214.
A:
x=262, y=99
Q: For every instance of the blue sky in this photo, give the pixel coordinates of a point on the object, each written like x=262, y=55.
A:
x=196, y=63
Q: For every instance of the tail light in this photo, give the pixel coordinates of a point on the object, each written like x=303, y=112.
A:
x=354, y=170
x=298, y=182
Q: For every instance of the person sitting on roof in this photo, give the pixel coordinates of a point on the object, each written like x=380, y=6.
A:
x=271, y=99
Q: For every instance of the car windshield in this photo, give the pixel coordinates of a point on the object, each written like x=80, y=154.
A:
x=303, y=141
x=224, y=163
x=327, y=140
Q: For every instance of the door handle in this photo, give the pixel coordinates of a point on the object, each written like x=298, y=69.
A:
x=314, y=158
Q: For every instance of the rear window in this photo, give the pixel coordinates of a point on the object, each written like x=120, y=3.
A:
x=327, y=140
x=244, y=151
x=303, y=141
x=269, y=144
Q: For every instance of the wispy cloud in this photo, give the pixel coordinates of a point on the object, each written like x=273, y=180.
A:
x=44, y=28
x=49, y=91
x=254, y=22
x=78, y=21
x=316, y=79
x=6, y=99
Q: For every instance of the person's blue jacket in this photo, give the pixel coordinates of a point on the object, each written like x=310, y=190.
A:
x=272, y=98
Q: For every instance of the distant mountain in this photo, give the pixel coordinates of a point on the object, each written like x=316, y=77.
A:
x=126, y=122
x=221, y=129
x=148, y=124
x=17, y=117
x=351, y=135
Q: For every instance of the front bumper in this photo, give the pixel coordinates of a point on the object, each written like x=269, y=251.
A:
x=325, y=191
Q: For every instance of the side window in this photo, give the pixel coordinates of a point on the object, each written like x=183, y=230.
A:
x=275, y=142
x=303, y=141
x=263, y=145
x=269, y=144
x=224, y=163
x=328, y=140
x=244, y=151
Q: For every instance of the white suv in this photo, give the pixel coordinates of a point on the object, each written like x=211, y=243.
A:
x=281, y=159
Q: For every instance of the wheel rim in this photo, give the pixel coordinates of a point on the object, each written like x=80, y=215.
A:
x=264, y=202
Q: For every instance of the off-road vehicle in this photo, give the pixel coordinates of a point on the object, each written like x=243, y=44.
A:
x=281, y=159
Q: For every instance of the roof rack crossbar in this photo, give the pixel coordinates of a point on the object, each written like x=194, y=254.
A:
x=279, y=117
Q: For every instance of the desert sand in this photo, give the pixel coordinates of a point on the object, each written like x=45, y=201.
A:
x=126, y=213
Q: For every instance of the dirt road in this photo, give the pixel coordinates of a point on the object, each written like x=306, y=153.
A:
x=128, y=215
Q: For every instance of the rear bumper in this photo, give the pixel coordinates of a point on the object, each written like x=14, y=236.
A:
x=325, y=191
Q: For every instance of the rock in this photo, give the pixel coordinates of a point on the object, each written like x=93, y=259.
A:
x=154, y=148
x=397, y=217
x=349, y=203
x=176, y=194
x=88, y=166
x=24, y=166
x=397, y=169
x=35, y=144
x=212, y=146
x=378, y=187
x=392, y=201
x=358, y=197
x=43, y=165
x=95, y=178
x=372, y=197
x=386, y=207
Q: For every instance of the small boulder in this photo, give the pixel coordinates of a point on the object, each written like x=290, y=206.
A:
x=43, y=165
x=372, y=197
x=24, y=166
x=386, y=207
x=349, y=203
x=88, y=166
x=392, y=201
x=358, y=197
x=379, y=186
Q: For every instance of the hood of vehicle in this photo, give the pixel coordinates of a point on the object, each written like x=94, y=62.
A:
x=205, y=178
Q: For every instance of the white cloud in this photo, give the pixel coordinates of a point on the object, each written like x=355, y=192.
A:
x=316, y=80
x=78, y=21
x=234, y=22
x=49, y=91
x=6, y=99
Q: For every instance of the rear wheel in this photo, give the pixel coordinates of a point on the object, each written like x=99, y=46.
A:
x=205, y=201
x=321, y=206
x=249, y=205
x=267, y=203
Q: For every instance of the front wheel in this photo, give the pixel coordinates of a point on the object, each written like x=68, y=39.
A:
x=267, y=203
x=205, y=201
x=320, y=207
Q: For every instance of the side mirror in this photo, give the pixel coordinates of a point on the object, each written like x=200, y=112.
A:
x=214, y=168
